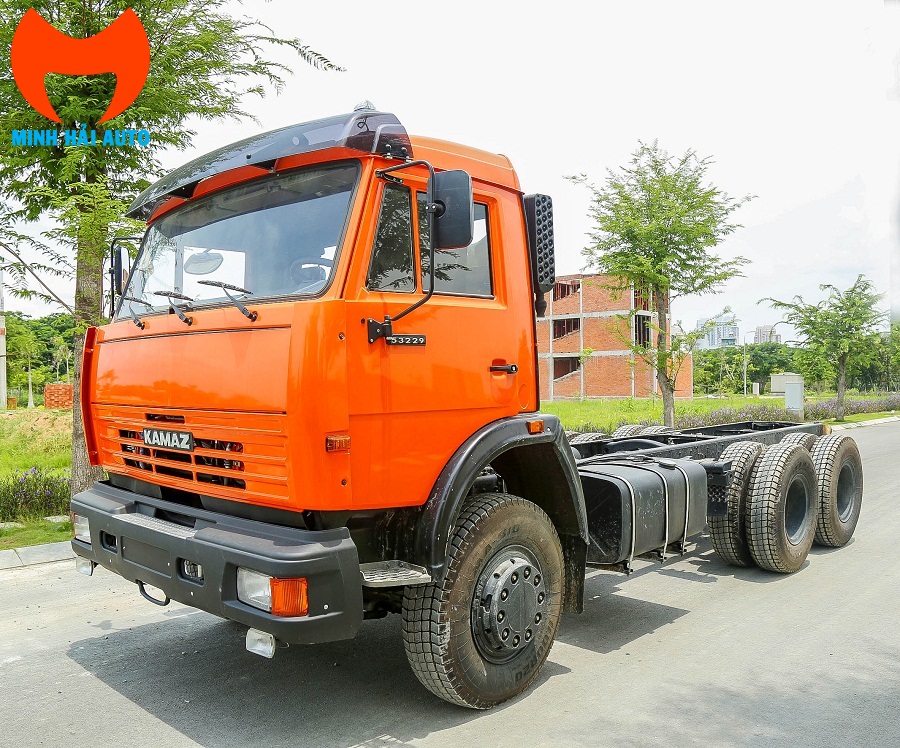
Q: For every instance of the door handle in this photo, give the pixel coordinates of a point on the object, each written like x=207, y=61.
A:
x=508, y=368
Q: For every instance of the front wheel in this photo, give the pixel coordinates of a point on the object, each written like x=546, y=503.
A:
x=482, y=635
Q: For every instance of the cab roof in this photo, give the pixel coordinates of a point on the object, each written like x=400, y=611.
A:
x=367, y=131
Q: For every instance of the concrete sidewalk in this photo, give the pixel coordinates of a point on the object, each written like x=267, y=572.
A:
x=36, y=554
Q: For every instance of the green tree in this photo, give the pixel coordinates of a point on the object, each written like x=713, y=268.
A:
x=815, y=367
x=205, y=62
x=24, y=352
x=840, y=329
x=656, y=222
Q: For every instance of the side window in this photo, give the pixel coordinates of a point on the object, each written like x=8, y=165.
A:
x=464, y=271
x=391, y=268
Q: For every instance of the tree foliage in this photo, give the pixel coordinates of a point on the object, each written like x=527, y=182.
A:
x=841, y=329
x=42, y=345
x=720, y=371
x=656, y=222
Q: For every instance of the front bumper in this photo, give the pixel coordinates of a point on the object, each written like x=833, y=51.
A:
x=129, y=538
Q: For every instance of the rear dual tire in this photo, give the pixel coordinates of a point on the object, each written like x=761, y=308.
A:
x=782, y=508
x=728, y=533
x=839, y=469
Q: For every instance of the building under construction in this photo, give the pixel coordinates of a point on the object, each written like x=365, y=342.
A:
x=583, y=342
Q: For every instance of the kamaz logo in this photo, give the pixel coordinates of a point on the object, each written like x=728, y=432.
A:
x=180, y=440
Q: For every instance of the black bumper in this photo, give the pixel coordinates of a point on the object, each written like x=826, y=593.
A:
x=128, y=539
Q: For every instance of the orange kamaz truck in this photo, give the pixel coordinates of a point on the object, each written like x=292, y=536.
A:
x=317, y=403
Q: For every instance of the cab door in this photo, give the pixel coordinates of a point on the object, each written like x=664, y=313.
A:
x=414, y=403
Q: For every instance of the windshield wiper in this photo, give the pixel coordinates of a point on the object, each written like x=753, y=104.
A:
x=225, y=287
x=134, y=318
x=175, y=308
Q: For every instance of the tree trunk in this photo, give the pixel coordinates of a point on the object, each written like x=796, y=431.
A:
x=666, y=384
x=841, y=386
x=88, y=308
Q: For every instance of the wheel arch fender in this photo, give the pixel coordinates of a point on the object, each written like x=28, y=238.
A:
x=538, y=467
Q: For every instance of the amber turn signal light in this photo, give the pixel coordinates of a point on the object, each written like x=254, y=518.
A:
x=337, y=443
x=535, y=427
x=289, y=598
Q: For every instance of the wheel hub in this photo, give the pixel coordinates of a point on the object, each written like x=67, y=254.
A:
x=510, y=605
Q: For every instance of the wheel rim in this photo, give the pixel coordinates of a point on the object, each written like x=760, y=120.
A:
x=796, y=509
x=510, y=604
x=846, y=491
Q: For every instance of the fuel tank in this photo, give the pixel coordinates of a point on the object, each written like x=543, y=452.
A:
x=638, y=504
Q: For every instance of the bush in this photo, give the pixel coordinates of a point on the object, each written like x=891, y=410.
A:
x=33, y=494
x=827, y=409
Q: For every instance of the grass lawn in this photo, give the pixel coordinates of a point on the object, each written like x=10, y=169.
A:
x=862, y=417
x=606, y=415
x=35, y=533
x=35, y=438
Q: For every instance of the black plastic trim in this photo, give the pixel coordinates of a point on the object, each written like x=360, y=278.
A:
x=485, y=446
x=220, y=544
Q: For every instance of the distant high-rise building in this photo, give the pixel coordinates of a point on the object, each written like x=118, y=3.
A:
x=724, y=334
x=766, y=334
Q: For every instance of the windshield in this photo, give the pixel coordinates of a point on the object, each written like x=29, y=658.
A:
x=274, y=237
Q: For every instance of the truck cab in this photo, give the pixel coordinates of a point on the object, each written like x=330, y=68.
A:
x=317, y=402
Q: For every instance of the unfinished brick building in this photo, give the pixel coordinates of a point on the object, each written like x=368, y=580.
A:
x=581, y=352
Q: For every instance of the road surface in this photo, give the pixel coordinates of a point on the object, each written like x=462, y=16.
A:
x=691, y=653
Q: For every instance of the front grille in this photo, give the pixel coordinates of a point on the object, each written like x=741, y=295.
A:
x=232, y=452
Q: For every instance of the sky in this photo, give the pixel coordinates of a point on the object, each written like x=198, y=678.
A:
x=798, y=104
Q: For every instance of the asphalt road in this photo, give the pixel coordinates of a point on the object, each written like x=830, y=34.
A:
x=690, y=653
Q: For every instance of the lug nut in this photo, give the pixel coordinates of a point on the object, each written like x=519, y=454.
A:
x=540, y=598
x=514, y=578
x=504, y=594
x=528, y=635
x=537, y=619
x=537, y=579
x=500, y=616
x=505, y=634
x=527, y=572
x=515, y=641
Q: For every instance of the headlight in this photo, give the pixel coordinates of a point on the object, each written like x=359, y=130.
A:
x=82, y=528
x=254, y=589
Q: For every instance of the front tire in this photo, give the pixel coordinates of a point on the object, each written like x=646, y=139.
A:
x=482, y=635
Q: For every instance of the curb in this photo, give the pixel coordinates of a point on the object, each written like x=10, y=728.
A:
x=31, y=555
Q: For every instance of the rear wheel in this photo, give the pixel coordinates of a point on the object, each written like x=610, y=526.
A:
x=482, y=635
x=839, y=472
x=628, y=430
x=728, y=533
x=657, y=430
x=781, y=508
x=807, y=441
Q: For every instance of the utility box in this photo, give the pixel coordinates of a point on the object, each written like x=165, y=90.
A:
x=779, y=381
x=756, y=389
x=794, y=398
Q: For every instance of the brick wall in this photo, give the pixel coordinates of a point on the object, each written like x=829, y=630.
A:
x=58, y=396
x=605, y=327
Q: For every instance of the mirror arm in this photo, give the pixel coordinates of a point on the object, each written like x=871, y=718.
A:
x=385, y=329
x=112, y=269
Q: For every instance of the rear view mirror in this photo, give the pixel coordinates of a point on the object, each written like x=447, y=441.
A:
x=203, y=263
x=454, y=222
x=121, y=261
